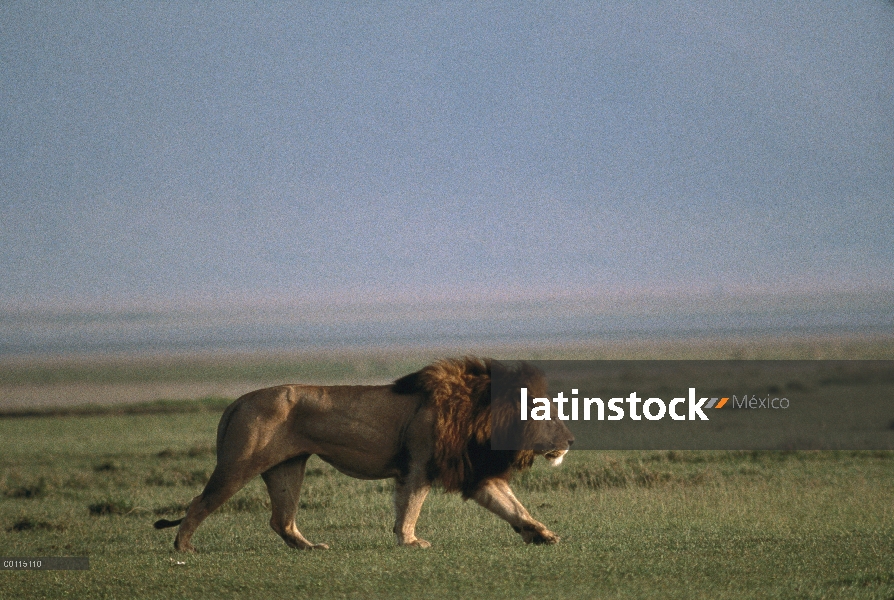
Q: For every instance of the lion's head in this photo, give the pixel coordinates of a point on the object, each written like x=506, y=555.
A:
x=468, y=414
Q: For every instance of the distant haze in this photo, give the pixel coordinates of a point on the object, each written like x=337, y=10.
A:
x=170, y=154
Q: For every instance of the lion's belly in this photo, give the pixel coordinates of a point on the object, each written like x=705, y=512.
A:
x=363, y=467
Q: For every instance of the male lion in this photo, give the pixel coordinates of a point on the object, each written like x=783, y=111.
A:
x=430, y=426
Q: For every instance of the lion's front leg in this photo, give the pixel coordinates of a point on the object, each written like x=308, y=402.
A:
x=496, y=496
x=409, y=495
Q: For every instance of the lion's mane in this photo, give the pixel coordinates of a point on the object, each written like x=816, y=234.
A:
x=460, y=391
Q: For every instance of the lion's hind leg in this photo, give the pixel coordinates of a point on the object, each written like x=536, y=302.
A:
x=219, y=489
x=284, y=486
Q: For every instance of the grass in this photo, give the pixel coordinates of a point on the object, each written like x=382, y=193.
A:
x=634, y=523
x=90, y=481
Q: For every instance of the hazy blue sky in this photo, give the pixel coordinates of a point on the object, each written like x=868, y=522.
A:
x=174, y=151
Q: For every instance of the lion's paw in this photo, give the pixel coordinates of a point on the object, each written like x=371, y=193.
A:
x=303, y=544
x=417, y=543
x=538, y=535
x=186, y=547
x=545, y=537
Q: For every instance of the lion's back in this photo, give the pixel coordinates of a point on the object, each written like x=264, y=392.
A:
x=341, y=424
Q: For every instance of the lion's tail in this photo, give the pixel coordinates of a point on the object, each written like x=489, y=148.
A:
x=164, y=523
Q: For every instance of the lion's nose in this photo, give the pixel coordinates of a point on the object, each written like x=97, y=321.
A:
x=571, y=441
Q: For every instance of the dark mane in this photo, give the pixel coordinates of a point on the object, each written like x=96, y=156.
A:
x=460, y=391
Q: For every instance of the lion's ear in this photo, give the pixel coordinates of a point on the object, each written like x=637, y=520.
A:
x=529, y=372
x=496, y=368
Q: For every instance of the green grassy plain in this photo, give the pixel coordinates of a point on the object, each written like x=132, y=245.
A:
x=634, y=524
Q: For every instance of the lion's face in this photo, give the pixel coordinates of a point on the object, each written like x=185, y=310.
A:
x=552, y=439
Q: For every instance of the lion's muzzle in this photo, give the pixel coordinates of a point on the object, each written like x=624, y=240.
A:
x=555, y=457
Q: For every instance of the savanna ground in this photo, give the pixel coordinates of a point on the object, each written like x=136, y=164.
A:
x=706, y=524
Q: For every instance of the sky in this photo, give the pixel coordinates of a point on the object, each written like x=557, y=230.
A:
x=195, y=153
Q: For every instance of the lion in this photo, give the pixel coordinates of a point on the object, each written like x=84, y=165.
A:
x=431, y=427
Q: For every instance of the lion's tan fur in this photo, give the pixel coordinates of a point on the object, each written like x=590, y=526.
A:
x=430, y=426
